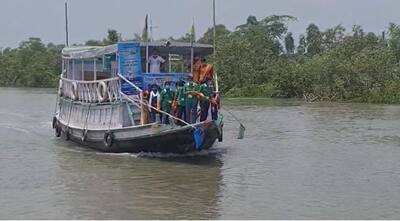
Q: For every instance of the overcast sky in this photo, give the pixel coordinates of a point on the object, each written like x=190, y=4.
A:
x=90, y=19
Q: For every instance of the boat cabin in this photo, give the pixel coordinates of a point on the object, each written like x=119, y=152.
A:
x=103, y=86
x=90, y=63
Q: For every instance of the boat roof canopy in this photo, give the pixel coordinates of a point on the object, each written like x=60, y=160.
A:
x=155, y=47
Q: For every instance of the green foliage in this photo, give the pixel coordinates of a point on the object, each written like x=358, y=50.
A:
x=32, y=64
x=112, y=38
x=259, y=59
x=301, y=48
x=220, y=32
x=313, y=40
x=332, y=37
x=328, y=65
x=289, y=43
x=394, y=41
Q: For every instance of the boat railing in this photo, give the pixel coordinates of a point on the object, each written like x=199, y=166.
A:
x=97, y=91
x=138, y=103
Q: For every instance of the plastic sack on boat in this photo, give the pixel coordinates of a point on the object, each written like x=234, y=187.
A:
x=198, y=136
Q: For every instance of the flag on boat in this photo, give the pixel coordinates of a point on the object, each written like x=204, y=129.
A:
x=146, y=28
x=192, y=34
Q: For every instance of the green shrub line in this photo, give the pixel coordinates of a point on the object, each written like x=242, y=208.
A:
x=260, y=59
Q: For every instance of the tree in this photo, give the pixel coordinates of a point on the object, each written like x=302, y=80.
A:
x=358, y=32
x=313, y=40
x=251, y=21
x=394, y=40
x=371, y=37
x=289, y=43
x=220, y=32
x=112, y=37
x=301, y=48
x=94, y=43
x=276, y=25
x=332, y=37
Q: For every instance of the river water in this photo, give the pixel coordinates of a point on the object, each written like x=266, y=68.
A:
x=298, y=160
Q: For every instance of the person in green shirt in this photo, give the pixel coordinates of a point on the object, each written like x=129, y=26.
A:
x=191, y=102
x=205, y=92
x=180, y=98
x=166, y=98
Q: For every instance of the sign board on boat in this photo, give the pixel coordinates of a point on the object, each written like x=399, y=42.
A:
x=129, y=66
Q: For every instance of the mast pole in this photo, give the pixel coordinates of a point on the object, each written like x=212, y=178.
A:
x=214, y=49
x=66, y=24
x=191, y=47
x=147, y=43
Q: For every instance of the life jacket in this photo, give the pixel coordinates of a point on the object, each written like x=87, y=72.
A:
x=196, y=73
x=206, y=73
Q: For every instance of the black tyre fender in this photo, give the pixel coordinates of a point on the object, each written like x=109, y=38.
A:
x=57, y=130
x=108, y=139
x=67, y=134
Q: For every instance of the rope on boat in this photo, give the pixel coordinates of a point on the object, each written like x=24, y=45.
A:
x=85, y=126
x=163, y=112
x=242, y=128
x=198, y=133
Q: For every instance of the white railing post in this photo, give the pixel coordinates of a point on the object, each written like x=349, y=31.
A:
x=83, y=70
x=94, y=70
x=87, y=90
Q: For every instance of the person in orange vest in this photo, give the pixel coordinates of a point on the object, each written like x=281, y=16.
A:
x=206, y=72
x=196, y=70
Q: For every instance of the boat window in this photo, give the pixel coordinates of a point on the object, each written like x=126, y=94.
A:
x=91, y=69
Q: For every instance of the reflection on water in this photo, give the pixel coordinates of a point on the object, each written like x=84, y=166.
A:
x=123, y=187
x=298, y=160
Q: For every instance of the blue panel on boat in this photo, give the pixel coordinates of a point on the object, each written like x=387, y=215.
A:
x=129, y=65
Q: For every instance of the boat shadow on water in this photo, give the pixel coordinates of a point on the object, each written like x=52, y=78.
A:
x=194, y=157
x=140, y=186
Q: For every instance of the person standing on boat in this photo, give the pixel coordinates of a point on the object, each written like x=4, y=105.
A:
x=180, y=99
x=155, y=62
x=154, y=103
x=197, y=64
x=145, y=95
x=206, y=71
x=215, y=105
x=166, y=97
x=191, y=91
x=205, y=92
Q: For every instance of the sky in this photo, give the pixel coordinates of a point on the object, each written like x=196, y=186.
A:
x=90, y=19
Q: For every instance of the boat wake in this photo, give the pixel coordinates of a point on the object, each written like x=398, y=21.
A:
x=15, y=128
x=19, y=115
x=202, y=153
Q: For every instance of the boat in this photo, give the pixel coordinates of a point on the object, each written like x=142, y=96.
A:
x=101, y=102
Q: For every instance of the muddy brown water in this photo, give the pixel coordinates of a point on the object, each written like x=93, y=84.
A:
x=298, y=160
